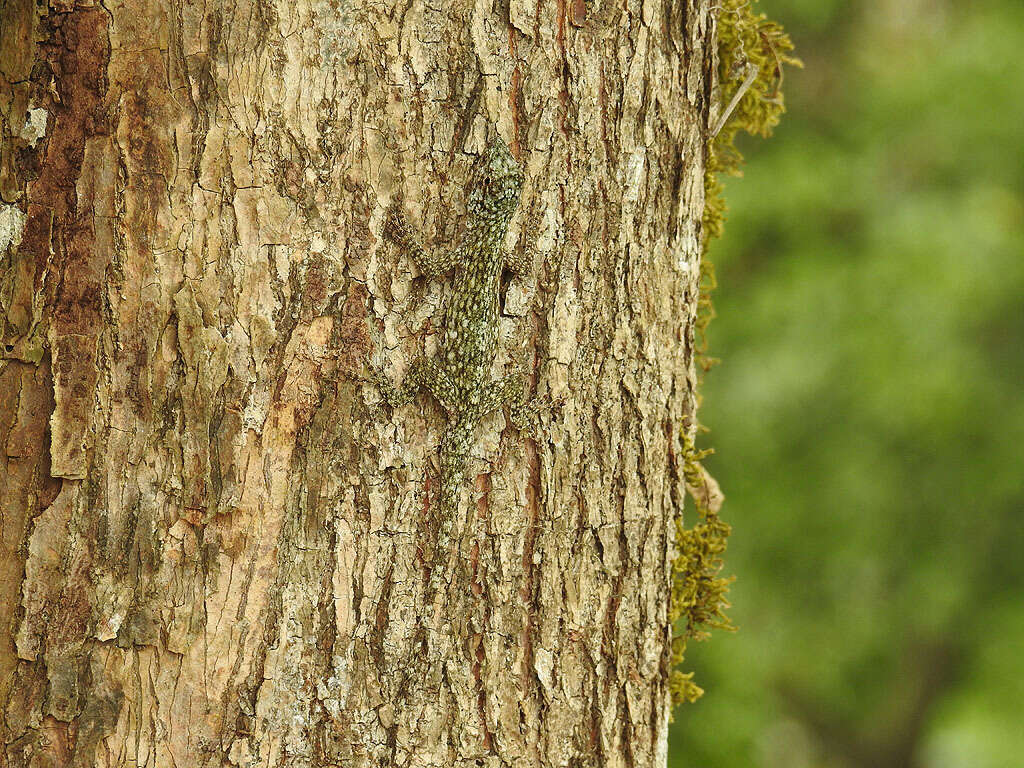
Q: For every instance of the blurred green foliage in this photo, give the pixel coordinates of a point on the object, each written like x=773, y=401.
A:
x=868, y=414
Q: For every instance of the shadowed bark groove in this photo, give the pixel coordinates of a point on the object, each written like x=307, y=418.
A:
x=214, y=532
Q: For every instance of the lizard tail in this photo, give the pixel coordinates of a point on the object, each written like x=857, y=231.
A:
x=454, y=449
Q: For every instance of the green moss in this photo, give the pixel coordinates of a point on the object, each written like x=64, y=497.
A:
x=751, y=54
x=698, y=600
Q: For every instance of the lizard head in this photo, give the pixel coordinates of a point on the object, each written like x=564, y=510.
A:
x=496, y=183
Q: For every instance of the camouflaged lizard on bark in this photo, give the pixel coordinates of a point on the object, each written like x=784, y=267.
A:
x=458, y=376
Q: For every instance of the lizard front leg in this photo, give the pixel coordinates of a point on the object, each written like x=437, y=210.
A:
x=397, y=230
x=520, y=261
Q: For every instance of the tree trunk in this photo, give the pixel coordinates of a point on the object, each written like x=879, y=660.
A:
x=213, y=527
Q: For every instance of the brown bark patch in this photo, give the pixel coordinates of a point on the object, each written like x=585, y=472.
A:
x=353, y=335
x=59, y=245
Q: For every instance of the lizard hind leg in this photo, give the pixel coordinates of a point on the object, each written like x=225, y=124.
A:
x=509, y=390
x=396, y=396
x=424, y=373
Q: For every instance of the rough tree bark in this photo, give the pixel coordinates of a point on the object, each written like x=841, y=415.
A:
x=213, y=529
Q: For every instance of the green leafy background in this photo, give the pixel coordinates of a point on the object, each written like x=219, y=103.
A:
x=868, y=412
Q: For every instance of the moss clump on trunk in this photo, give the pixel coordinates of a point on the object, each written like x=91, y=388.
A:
x=752, y=52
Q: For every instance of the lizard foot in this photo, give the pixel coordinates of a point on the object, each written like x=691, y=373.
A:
x=396, y=228
x=526, y=415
